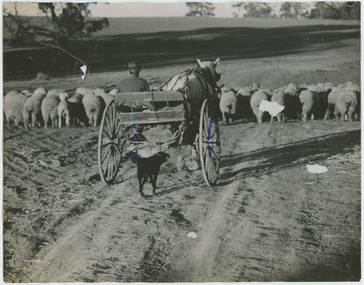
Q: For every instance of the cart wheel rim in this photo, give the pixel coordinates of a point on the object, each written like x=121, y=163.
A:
x=209, y=146
x=109, y=151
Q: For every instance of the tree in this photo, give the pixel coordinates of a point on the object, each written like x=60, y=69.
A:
x=64, y=22
x=200, y=9
x=16, y=28
x=70, y=23
x=336, y=10
x=291, y=10
x=253, y=9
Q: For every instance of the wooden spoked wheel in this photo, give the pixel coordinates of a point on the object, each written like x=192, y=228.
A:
x=111, y=143
x=209, y=145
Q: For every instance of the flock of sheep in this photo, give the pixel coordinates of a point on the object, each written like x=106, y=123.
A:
x=55, y=107
x=316, y=101
x=86, y=105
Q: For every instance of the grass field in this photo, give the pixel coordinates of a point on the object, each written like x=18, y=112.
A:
x=170, y=41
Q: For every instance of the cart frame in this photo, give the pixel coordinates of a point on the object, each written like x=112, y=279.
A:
x=120, y=129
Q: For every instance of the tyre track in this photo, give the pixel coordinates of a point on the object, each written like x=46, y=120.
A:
x=245, y=230
x=255, y=233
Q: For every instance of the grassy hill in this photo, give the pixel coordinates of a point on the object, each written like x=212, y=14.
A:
x=169, y=41
x=164, y=24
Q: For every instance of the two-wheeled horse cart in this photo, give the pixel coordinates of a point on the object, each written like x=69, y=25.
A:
x=121, y=129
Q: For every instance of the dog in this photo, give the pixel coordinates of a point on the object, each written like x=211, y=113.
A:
x=149, y=167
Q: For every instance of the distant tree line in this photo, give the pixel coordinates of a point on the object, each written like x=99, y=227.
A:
x=320, y=10
x=200, y=9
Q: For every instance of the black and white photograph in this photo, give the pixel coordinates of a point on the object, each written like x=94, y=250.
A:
x=174, y=142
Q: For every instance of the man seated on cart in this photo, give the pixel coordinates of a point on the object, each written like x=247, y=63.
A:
x=133, y=83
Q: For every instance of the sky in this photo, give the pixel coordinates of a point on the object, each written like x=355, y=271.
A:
x=130, y=9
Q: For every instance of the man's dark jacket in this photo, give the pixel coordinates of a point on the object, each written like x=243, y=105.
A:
x=133, y=84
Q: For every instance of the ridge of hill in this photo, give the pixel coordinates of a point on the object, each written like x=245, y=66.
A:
x=134, y=25
x=140, y=39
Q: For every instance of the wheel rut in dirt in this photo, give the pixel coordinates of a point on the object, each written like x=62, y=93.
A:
x=268, y=219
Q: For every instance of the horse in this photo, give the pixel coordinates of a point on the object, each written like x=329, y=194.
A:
x=200, y=83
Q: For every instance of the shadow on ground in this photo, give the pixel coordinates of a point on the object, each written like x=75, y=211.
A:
x=284, y=156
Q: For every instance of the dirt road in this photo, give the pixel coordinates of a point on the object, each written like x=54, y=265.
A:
x=268, y=219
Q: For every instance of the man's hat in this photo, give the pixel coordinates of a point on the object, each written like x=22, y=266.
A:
x=135, y=66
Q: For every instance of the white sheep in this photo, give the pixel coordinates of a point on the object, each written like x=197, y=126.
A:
x=245, y=91
x=105, y=96
x=328, y=86
x=113, y=92
x=352, y=86
x=227, y=104
x=291, y=89
x=13, y=107
x=312, y=88
x=50, y=107
x=93, y=104
x=63, y=111
x=32, y=107
x=27, y=93
x=279, y=97
x=75, y=98
x=254, y=87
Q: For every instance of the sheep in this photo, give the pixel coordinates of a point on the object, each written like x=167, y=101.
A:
x=254, y=87
x=113, y=92
x=243, y=102
x=27, y=93
x=279, y=97
x=312, y=88
x=50, y=107
x=93, y=104
x=245, y=91
x=291, y=89
x=352, y=86
x=309, y=101
x=323, y=90
x=74, y=98
x=32, y=107
x=13, y=107
x=63, y=111
x=76, y=109
x=346, y=103
x=293, y=105
x=105, y=96
x=255, y=101
x=267, y=90
x=342, y=100
x=77, y=113
x=328, y=86
x=227, y=104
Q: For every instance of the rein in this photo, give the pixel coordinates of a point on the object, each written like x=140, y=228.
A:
x=179, y=77
x=205, y=73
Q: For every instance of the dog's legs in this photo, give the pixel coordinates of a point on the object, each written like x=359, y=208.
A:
x=153, y=180
x=142, y=181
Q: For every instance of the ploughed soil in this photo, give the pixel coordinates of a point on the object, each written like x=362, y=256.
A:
x=267, y=219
